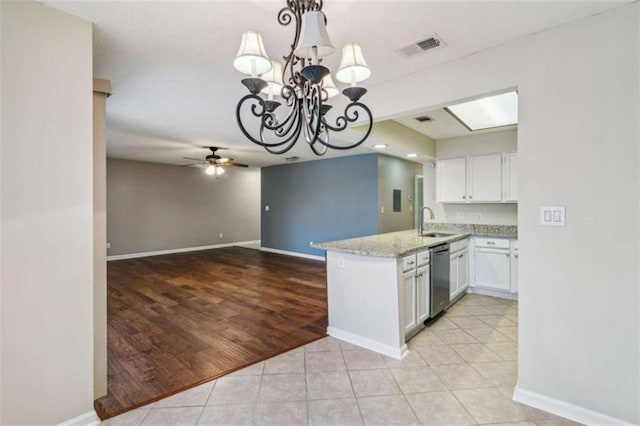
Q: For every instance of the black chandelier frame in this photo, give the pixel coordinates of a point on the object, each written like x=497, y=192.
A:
x=303, y=93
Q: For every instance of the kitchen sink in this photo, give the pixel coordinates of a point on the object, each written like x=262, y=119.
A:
x=436, y=234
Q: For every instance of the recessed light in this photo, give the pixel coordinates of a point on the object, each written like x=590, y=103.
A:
x=412, y=155
x=380, y=146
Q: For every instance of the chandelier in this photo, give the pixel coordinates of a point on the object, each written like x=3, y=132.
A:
x=303, y=84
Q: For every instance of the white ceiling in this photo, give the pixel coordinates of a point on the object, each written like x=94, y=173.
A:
x=175, y=89
x=443, y=126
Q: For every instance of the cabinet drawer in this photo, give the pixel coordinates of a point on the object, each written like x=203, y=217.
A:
x=409, y=262
x=423, y=258
x=492, y=242
x=459, y=245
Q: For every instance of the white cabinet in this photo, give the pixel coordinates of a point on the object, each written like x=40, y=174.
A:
x=423, y=293
x=410, y=312
x=510, y=177
x=417, y=291
x=491, y=178
x=463, y=270
x=484, y=178
x=492, y=263
x=514, y=266
x=451, y=180
x=458, y=268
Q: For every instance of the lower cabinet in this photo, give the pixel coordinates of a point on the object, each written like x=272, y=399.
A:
x=458, y=268
x=494, y=264
x=423, y=293
x=416, y=284
x=410, y=308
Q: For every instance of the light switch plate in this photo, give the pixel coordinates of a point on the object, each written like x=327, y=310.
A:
x=552, y=216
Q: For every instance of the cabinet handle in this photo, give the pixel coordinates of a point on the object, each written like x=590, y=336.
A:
x=491, y=243
x=507, y=254
x=460, y=256
x=470, y=196
x=515, y=255
x=410, y=263
x=464, y=197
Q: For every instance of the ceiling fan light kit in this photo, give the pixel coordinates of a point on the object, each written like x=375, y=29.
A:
x=216, y=163
x=303, y=84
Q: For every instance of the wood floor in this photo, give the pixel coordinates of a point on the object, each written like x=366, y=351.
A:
x=178, y=320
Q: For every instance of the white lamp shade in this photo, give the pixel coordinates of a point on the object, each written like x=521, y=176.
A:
x=210, y=170
x=219, y=171
x=313, y=34
x=329, y=86
x=273, y=77
x=252, y=59
x=353, y=67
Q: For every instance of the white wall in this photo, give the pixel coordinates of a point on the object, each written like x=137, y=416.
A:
x=47, y=249
x=489, y=143
x=578, y=147
x=485, y=143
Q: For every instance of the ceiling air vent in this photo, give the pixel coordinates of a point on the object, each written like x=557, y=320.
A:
x=424, y=119
x=292, y=159
x=421, y=46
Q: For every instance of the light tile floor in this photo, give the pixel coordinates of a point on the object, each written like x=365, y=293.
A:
x=460, y=371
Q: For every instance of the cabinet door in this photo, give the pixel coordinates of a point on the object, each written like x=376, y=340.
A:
x=493, y=268
x=514, y=267
x=485, y=178
x=511, y=178
x=423, y=289
x=453, y=276
x=463, y=270
x=451, y=180
x=410, y=314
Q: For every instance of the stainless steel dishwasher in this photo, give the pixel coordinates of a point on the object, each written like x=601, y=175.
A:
x=439, y=279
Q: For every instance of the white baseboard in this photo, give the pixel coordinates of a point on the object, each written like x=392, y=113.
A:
x=490, y=292
x=564, y=409
x=90, y=418
x=381, y=348
x=292, y=253
x=178, y=250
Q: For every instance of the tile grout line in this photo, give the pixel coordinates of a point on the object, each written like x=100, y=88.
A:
x=353, y=390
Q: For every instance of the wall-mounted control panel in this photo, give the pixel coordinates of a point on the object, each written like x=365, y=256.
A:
x=552, y=216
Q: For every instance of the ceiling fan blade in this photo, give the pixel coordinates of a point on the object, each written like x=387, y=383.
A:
x=194, y=159
x=234, y=164
x=193, y=164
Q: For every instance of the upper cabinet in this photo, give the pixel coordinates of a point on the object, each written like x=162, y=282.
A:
x=451, y=180
x=484, y=176
x=477, y=179
x=511, y=176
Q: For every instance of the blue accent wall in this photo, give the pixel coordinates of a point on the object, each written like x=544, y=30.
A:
x=318, y=201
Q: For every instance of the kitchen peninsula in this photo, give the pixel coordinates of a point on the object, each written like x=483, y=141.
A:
x=378, y=286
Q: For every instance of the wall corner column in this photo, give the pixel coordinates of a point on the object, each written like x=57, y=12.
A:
x=101, y=91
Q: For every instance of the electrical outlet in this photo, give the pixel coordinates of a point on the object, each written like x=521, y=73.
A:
x=266, y=208
x=479, y=216
x=108, y=245
x=310, y=243
x=460, y=215
x=221, y=235
x=341, y=262
x=381, y=209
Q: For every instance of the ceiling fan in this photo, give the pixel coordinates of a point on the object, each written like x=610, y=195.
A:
x=215, y=162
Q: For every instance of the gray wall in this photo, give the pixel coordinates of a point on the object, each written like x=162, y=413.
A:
x=158, y=207
x=319, y=201
x=396, y=173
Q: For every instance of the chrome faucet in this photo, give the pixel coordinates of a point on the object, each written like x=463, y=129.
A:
x=421, y=225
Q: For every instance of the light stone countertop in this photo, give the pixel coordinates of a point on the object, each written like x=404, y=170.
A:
x=396, y=244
